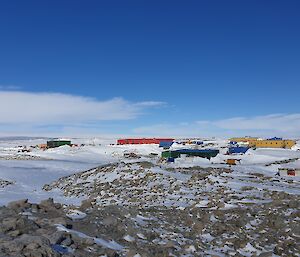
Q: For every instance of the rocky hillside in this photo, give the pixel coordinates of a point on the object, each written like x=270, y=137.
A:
x=144, y=209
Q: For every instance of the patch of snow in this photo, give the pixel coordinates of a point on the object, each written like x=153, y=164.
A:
x=107, y=244
x=75, y=214
x=141, y=236
x=207, y=237
x=248, y=250
x=129, y=238
x=202, y=204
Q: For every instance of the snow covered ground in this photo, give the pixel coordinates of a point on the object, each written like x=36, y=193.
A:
x=191, y=207
x=201, y=211
x=29, y=176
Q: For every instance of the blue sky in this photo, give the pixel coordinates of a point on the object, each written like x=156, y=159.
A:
x=158, y=67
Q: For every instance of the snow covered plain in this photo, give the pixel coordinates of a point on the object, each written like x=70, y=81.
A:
x=193, y=207
x=28, y=172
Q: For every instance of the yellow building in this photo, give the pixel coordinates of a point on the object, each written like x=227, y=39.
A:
x=274, y=143
x=250, y=140
x=289, y=143
x=255, y=142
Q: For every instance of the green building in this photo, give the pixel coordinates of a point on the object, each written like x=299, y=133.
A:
x=204, y=153
x=57, y=143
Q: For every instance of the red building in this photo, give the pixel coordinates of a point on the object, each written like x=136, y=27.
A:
x=135, y=141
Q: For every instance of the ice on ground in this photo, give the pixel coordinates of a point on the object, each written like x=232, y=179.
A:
x=30, y=176
x=202, y=204
x=75, y=214
x=129, y=238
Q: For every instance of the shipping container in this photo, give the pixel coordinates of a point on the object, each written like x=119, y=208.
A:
x=288, y=172
x=231, y=161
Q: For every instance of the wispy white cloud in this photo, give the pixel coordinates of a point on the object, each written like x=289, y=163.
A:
x=273, y=122
x=21, y=108
x=42, y=113
x=286, y=125
x=149, y=104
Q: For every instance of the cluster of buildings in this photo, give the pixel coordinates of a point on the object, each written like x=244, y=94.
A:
x=237, y=145
x=197, y=147
x=166, y=143
x=250, y=142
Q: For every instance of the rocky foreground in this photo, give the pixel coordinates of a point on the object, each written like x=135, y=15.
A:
x=144, y=209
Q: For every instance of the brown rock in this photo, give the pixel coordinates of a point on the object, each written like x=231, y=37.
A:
x=19, y=204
